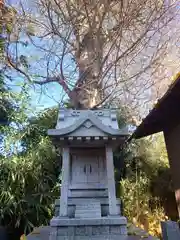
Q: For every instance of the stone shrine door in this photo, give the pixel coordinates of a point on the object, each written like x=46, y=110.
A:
x=87, y=172
x=92, y=170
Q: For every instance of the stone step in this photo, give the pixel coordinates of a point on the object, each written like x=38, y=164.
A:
x=87, y=210
x=87, y=215
x=90, y=209
x=88, y=204
x=87, y=207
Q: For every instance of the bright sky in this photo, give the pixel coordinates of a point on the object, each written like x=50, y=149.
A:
x=42, y=97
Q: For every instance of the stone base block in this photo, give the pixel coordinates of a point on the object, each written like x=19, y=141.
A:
x=110, y=228
x=72, y=202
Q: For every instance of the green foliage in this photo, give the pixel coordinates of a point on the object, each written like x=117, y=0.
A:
x=8, y=99
x=143, y=181
x=28, y=186
x=135, y=193
x=5, y=107
x=23, y=60
x=29, y=168
x=30, y=30
x=38, y=126
x=2, y=42
x=9, y=102
x=143, y=194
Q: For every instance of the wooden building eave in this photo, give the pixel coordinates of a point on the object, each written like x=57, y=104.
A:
x=164, y=115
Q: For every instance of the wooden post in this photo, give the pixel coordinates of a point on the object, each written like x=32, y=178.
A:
x=172, y=139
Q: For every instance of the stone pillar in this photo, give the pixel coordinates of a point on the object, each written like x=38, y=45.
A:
x=65, y=182
x=111, y=181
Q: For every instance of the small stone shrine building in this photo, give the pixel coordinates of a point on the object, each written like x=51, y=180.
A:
x=88, y=207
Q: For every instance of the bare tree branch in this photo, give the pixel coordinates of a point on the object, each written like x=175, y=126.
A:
x=95, y=49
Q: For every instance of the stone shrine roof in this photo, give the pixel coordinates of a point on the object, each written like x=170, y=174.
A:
x=82, y=123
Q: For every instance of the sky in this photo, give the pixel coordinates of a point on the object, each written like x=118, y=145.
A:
x=48, y=95
x=41, y=98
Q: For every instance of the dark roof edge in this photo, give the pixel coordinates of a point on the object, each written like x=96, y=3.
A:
x=160, y=101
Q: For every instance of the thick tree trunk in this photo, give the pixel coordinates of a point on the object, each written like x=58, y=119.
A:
x=89, y=54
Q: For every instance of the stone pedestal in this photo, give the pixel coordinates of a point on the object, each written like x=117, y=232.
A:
x=110, y=228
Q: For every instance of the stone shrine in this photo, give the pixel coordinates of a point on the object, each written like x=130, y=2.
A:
x=88, y=207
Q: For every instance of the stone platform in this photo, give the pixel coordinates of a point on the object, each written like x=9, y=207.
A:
x=88, y=228
x=43, y=233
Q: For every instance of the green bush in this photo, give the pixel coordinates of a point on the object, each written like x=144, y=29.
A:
x=146, y=186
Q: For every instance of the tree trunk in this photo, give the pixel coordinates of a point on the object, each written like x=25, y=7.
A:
x=88, y=89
